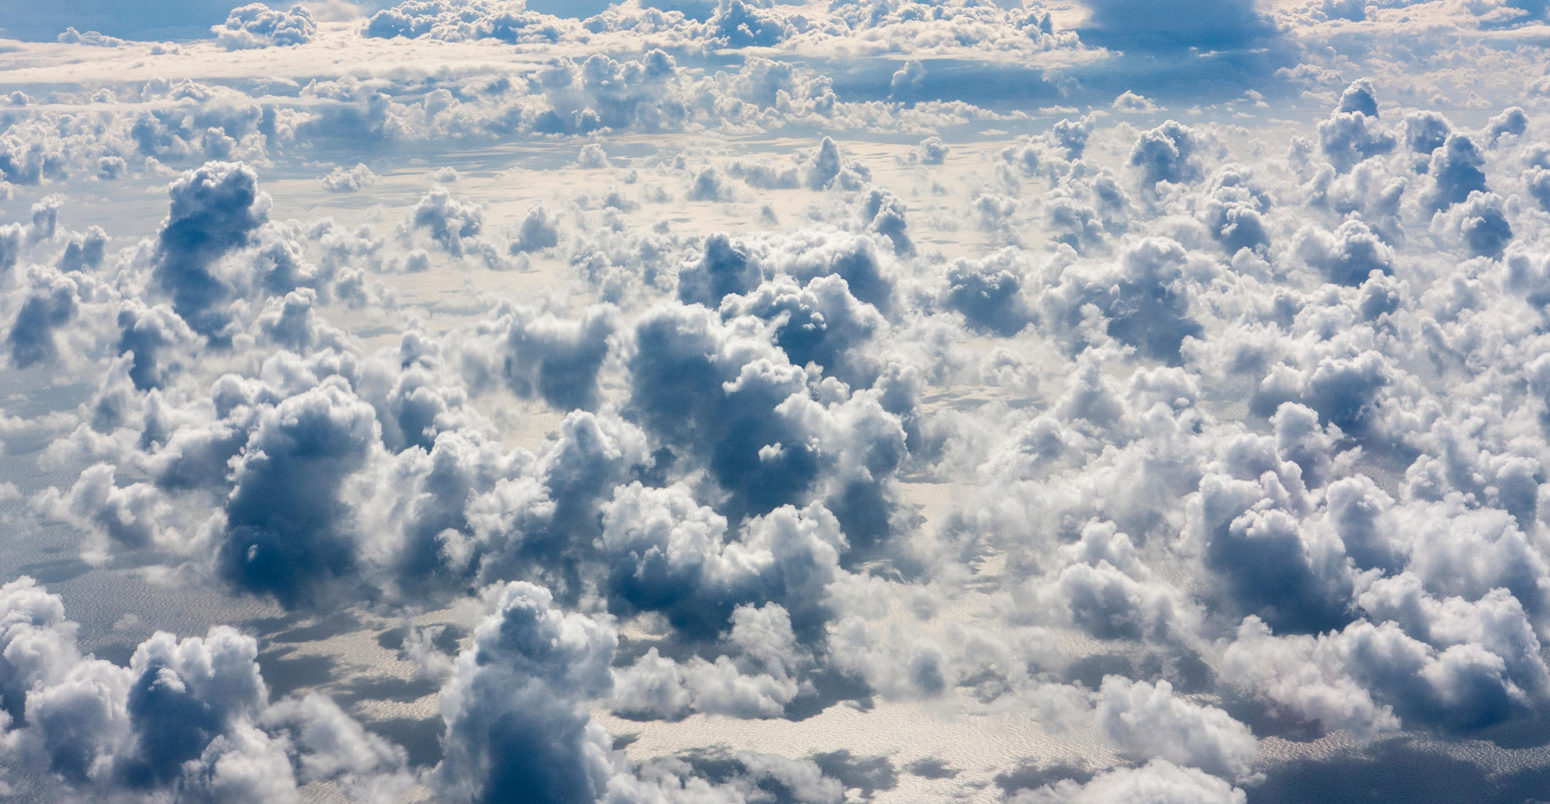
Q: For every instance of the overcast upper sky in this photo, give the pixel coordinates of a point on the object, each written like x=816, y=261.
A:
x=761, y=401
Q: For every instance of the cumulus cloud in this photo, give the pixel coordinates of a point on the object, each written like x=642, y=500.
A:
x=1167, y=153
x=513, y=705
x=1144, y=297
x=190, y=715
x=282, y=533
x=453, y=223
x=257, y=25
x=989, y=295
x=517, y=727
x=539, y=355
x=353, y=180
x=1456, y=171
x=1346, y=256
x=215, y=209
x=1149, y=721
x=1353, y=131
x=538, y=230
x=51, y=302
x=1158, y=781
x=1149, y=388
x=738, y=404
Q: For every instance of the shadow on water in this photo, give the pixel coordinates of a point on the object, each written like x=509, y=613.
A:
x=867, y=774
x=717, y=766
x=1397, y=771
x=932, y=768
x=830, y=688
x=118, y=653
x=285, y=674
x=421, y=738
x=323, y=628
x=1185, y=671
x=446, y=639
x=385, y=688
x=1032, y=776
x=55, y=571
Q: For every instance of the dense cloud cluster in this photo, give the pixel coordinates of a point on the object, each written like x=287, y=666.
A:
x=186, y=717
x=746, y=401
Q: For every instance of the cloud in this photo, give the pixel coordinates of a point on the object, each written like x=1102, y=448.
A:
x=71, y=36
x=1455, y=170
x=763, y=366
x=517, y=727
x=1296, y=581
x=512, y=707
x=697, y=576
x=540, y=355
x=818, y=323
x=1347, y=256
x=989, y=295
x=1099, y=585
x=129, y=516
x=1167, y=153
x=353, y=180
x=724, y=269
x=1144, y=297
x=284, y=531
x=50, y=304
x=215, y=209
x=1426, y=131
x=1158, y=781
x=1359, y=678
x=85, y=251
x=1128, y=101
x=1225, y=45
x=1512, y=121
x=1353, y=133
x=1236, y=212
x=256, y=25
x=736, y=403
x=448, y=221
x=538, y=230
x=758, y=684
x=505, y=21
x=147, y=333
x=1482, y=222
x=191, y=715
x=1149, y=722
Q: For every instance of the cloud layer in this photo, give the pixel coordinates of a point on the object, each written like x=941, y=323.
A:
x=744, y=401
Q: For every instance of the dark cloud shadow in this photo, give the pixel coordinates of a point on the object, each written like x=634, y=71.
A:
x=285, y=674
x=384, y=688
x=421, y=739
x=1396, y=771
x=867, y=774
x=323, y=628
x=1032, y=776
x=932, y=768
x=56, y=571
x=1185, y=671
x=829, y=688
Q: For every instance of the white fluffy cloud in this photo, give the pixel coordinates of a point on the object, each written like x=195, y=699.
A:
x=657, y=401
